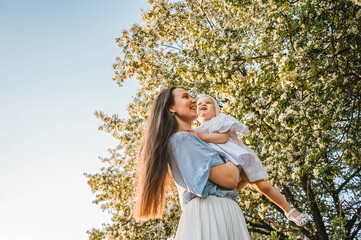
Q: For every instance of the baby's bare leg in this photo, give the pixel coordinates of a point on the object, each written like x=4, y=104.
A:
x=244, y=181
x=241, y=184
x=274, y=195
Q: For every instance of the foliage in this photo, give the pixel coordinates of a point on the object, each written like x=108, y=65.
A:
x=289, y=69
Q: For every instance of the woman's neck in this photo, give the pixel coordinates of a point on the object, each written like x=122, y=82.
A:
x=183, y=125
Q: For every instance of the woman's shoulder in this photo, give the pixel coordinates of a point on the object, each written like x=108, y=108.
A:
x=180, y=136
x=185, y=141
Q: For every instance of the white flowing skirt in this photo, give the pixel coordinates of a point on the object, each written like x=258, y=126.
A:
x=212, y=218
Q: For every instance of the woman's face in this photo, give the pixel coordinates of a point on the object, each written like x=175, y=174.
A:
x=185, y=106
x=205, y=109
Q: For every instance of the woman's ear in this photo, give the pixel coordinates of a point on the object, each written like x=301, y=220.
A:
x=171, y=109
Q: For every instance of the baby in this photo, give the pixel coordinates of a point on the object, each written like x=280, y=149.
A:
x=221, y=132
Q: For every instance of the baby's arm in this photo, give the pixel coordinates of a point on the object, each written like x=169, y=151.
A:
x=212, y=137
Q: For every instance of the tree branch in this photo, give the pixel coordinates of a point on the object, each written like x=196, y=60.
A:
x=243, y=60
x=330, y=186
x=311, y=201
x=262, y=56
x=289, y=196
x=289, y=31
x=356, y=231
x=168, y=46
x=205, y=15
x=352, y=221
x=265, y=226
x=341, y=51
x=348, y=180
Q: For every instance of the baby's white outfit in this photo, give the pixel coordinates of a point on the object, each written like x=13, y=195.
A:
x=234, y=150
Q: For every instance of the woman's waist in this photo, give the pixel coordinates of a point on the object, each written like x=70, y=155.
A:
x=227, y=195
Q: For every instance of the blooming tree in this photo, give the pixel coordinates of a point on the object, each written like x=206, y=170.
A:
x=290, y=70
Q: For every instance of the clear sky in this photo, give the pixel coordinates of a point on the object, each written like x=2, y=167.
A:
x=55, y=71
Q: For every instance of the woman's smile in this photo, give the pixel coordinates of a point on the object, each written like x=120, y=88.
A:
x=185, y=106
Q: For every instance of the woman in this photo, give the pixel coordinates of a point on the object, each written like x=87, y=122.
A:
x=206, y=185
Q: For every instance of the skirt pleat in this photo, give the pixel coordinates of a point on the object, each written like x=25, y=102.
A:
x=212, y=218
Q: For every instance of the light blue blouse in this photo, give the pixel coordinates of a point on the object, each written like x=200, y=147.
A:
x=191, y=166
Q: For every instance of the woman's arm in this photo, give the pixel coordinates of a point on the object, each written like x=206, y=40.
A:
x=225, y=175
x=196, y=162
x=212, y=137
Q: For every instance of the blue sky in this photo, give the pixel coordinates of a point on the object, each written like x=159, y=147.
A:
x=55, y=71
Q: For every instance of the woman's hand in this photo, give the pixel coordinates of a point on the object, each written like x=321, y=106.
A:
x=198, y=134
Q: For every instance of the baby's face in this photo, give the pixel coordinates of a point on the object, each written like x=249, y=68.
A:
x=205, y=109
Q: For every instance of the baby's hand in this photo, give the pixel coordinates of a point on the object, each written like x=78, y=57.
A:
x=198, y=134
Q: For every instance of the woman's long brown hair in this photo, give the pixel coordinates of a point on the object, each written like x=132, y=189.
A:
x=155, y=153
